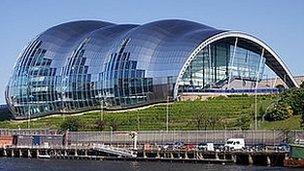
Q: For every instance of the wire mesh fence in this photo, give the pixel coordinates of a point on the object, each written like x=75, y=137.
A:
x=194, y=137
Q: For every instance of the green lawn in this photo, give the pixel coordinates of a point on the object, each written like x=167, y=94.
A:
x=292, y=123
x=223, y=112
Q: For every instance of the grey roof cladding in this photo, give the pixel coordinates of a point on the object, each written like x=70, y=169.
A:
x=158, y=37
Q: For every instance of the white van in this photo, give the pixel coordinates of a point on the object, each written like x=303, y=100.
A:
x=235, y=143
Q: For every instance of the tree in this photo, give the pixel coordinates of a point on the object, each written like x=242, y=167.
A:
x=279, y=111
x=280, y=87
x=200, y=120
x=295, y=99
x=302, y=84
x=71, y=124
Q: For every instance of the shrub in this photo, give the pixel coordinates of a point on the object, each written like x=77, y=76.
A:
x=243, y=122
x=114, y=124
x=70, y=123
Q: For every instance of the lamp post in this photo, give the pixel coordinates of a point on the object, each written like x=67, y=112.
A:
x=167, y=115
x=101, y=106
x=28, y=102
x=62, y=105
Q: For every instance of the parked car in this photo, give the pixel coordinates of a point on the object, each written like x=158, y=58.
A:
x=178, y=145
x=168, y=146
x=202, y=146
x=256, y=147
x=235, y=144
x=219, y=146
x=188, y=147
x=283, y=147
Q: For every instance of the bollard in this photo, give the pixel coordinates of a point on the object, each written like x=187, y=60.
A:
x=86, y=152
x=37, y=153
x=13, y=153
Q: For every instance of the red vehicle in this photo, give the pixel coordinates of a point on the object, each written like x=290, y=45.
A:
x=189, y=147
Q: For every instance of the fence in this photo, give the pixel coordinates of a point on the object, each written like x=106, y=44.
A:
x=194, y=137
x=267, y=137
x=25, y=131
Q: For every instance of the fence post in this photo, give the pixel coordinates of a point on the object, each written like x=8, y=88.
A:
x=205, y=135
x=173, y=136
x=196, y=137
x=225, y=135
x=274, y=137
x=111, y=136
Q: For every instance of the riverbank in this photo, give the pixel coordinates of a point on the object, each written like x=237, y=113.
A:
x=21, y=164
x=232, y=112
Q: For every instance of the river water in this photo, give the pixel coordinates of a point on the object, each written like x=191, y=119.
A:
x=84, y=165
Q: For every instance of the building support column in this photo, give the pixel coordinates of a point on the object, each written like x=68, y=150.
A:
x=4, y=152
x=186, y=155
x=171, y=155
x=158, y=154
x=144, y=154
x=233, y=156
x=20, y=153
x=29, y=155
x=217, y=156
x=250, y=160
x=76, y=154
x=268, y=161
x=232, y=62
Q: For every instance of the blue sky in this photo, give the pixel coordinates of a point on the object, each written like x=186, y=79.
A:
x=280, y=23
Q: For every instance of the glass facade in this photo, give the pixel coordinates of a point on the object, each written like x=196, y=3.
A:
x=87, y=65
x=220, y=63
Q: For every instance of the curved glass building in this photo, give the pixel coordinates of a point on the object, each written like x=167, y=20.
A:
x=87, y=65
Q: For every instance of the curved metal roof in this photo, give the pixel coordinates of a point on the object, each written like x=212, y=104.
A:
x=87, y=56
x=154, y=42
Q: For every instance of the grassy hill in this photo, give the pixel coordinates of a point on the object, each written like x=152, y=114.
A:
x=233, y=112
